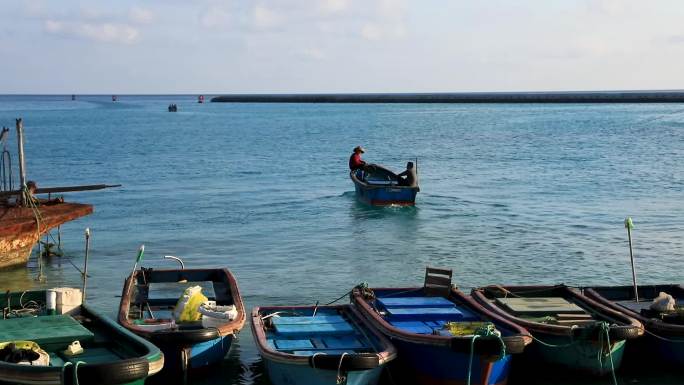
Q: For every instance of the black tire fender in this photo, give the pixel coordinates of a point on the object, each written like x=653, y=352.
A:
x=121, y=372
x=351, y=362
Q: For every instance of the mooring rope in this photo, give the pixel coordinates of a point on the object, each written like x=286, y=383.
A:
x=75, y=374
x=340, y=378
x=488, y=330
x=31, y=201
x=605, y=331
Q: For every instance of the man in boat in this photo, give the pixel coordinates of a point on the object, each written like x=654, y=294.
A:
x=355, y=161
x=408, y=177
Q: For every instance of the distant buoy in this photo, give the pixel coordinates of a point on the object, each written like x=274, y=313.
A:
x=73, y=97
x=114, y=98
x=200, y=99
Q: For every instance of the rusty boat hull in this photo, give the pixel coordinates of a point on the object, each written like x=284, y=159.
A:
x=21, y=228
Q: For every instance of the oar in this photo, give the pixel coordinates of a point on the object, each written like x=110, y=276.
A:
x=139, y=259
x=629, y=225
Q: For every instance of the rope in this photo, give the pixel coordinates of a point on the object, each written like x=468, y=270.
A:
x=30, y=307
x=342, y=296
x=470, y=360
x=76, y=371
x=488, y=330
x=313, y=359
x=363, y=286
x=605, y=330
x=32, y=203
x=340, y=378
x=75, y=375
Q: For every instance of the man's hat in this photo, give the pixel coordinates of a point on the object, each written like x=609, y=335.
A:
x=360, y=149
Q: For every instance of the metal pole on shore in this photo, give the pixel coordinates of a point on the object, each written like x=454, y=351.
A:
x=629, y=225
x=85, y=267
x=22, y=165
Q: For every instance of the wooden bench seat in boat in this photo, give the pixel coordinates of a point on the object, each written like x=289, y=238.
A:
x=315, y=328
x=424, y=313
x=45, y=330
x=319, y=319
x=420, y=302
x=168, y=293
x=538, y=306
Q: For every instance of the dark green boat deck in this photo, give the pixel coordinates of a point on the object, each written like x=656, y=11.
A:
x=44, y=330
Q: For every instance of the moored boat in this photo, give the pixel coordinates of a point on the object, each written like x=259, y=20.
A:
x=319, y=345
x=664, y=338
x=442, y=335
x=570, y=330
x=151, y=303
x=76, y=345
x=378, y=186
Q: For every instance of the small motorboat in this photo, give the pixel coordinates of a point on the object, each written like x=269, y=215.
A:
x=319, y=345
x=173, y=108
x=570, y=330
x=378, y=186
x=49, y=337
x=664, y=339
x=442, y=335
x=152, y=300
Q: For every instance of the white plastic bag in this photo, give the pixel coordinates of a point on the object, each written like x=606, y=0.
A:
x=663, y=302
x=215, y=316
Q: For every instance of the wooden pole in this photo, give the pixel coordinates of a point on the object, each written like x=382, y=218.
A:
x=629, y=225
x=85, y=267
x=22, y=166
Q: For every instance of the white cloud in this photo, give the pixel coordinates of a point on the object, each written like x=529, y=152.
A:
x=371, y=31
x=265, y=18
x=312, y=54
x=102, y=32
x=140, y=15
x=388, y=21
x=334, y=6
x=215, y=17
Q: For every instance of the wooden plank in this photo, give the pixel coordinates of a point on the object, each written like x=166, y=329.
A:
x=307, y=320
x=424, y=313
x=293, y=344
x=415, y=302
x=539, y=305
x=416, y=327
x=311, y=329
x=44, y=329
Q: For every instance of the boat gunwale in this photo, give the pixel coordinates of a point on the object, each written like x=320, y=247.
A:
x=515, y=343
x=651, y=324
x=368, y=186
x=180, y=336
x=258, y=330
x=628, y=327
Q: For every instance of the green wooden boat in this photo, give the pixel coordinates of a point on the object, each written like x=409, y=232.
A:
x=570, y=330
x=33, y=346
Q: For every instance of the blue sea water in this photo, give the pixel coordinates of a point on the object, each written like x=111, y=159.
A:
x=510, y=194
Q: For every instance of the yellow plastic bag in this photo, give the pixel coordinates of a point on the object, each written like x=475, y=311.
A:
x=188, y=303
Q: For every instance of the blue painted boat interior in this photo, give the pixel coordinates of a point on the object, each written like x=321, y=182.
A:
x=328, y=332
x=414, y=312
x=378, y=177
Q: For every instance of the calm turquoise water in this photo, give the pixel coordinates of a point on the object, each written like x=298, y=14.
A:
x=515, y=194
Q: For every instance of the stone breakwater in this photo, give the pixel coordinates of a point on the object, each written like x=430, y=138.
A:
x=464, y=97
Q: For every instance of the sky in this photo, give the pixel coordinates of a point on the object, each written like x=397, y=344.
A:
x=296, y=46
